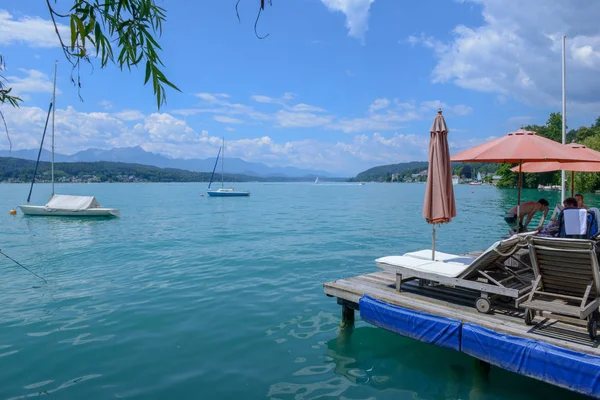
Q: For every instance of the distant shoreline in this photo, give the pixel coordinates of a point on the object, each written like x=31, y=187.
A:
x=18, y=170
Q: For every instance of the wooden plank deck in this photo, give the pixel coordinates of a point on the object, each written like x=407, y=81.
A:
x=460, y=304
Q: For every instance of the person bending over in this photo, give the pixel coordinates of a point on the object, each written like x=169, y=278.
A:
x=526, y=211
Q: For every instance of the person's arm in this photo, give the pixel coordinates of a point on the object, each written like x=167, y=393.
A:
x=543, y=219
x=529, y=216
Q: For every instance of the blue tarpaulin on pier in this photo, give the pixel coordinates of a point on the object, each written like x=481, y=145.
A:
x=537, y=359
x=544, y=361
x=433, y=329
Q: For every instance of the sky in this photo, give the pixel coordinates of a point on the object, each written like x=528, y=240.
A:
x=337, y=85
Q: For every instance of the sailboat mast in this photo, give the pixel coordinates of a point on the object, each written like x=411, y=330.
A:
x=53, y=110
x=222, y=162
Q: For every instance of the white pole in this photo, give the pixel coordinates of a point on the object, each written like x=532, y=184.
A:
x=564, y=113
x=53, y=109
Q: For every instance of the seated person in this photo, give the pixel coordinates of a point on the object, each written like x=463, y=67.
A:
x=579, y=198
x=582, y=226
x=553, y=226
x=525, y=209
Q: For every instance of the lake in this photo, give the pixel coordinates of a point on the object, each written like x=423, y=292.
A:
x=191, y=297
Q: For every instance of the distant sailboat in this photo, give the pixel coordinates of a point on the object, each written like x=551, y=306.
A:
x=478, y=181
x=317, y=180
x=223, y=192
x=61, y=205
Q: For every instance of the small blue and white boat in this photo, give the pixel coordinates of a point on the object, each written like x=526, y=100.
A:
x=222, y=191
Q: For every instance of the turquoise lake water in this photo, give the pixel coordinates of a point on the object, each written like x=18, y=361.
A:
x=190, y=297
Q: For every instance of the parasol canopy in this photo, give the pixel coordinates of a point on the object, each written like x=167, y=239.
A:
x=519, y=147
x=580, y=166
x=522, y=146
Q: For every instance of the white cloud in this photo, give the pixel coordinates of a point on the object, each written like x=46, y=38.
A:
x=107, y=105
x=229, y=129
x=386, y=115
x=356, y=12
x=33, y=31
x=287, y=96
x=165, y=134
x=383, y=114
x=129, y=115
x=301, y=107
x=212, y=97
x=265, y=99
x=227, y=120
x=287, y=119
x=379, y=104
x=289, y=116
x=516, y=52
x=34, y=82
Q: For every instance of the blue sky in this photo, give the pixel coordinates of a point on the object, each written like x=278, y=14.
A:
x=339, y=85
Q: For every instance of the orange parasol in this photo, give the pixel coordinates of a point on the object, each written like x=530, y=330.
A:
x=578, y=166
x=439, y=206
x=522, y=146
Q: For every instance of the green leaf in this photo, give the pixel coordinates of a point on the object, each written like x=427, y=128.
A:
x=81, y=30
x=148, y=69
x=73, y=32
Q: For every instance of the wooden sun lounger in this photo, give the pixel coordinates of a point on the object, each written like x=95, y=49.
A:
x=487, y=274
x=567, y=280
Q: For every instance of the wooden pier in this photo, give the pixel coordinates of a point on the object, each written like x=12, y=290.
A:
x=504, y=322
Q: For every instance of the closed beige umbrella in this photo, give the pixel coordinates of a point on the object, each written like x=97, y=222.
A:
x=439, y=206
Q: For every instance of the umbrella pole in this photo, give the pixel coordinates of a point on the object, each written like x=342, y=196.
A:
x=519, y=196
x=433, y=244
x=572, y=183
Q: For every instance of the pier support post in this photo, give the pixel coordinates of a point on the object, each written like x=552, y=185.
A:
x=482, y=368
x=347, y=313
x=347, y=316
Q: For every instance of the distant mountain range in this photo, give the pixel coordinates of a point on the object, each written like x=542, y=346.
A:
x=137, y=155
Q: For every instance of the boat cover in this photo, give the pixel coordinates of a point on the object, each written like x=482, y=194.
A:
x=76, y=203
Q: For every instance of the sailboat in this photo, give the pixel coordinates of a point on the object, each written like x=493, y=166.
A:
x=61, y=205
x=223, y=191
x=317, y=180
x=478, y=181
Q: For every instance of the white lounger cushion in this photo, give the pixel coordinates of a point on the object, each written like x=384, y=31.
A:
x=449, y=269
x=439, y=256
